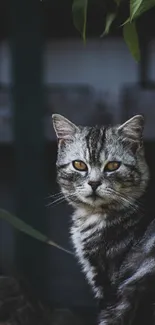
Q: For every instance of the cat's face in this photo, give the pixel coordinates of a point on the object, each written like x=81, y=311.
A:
x=100, y=167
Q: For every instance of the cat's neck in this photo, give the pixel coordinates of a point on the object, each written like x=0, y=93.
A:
x=90, y=217
x=133, y=219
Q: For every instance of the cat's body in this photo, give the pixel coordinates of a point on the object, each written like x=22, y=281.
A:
x=104, y=176
x=116, y=259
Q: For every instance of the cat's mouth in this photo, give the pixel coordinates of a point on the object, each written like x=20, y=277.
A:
x=94, y=196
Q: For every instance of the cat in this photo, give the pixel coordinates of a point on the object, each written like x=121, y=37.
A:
x=104, y=176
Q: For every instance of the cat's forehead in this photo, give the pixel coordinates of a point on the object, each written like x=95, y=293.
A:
x=94, y=145
x=97, y=143
x=102, y=143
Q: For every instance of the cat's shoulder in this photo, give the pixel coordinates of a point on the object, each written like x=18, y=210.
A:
x=148, y=241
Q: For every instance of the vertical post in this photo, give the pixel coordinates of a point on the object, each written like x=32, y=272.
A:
x=143, y=65
x=26, y=47
x=144, y=40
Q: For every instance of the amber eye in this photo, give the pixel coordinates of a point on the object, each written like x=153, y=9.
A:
x=79, y=165
x=112, y=166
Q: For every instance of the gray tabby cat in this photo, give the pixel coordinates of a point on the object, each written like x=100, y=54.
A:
x=103, y=174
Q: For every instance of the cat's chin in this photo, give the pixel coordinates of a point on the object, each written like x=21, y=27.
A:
x=93, y=201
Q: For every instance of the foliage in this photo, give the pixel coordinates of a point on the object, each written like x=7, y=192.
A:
x=137, y=8
x=18, y=224
x=131, y=38
x=79, y=9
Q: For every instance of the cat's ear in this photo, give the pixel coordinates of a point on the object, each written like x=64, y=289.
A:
x=64, y=129
x=133, y=128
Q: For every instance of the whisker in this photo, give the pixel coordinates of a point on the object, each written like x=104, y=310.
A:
x=60, y=199
x=125, y=199
x=56, y=200
x=53, y=195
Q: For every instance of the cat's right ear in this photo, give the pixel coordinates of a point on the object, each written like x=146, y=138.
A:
x=64, y=129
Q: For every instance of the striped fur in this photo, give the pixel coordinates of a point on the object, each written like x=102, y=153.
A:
x=113, y=238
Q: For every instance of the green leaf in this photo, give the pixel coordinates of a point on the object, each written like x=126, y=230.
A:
x=131, y=39
x=109, y=20
x=79, y=10
x=138, y=7
x=126, y=21
x=27, y=229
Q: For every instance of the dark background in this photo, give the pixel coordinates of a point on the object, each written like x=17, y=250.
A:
x=45, y=68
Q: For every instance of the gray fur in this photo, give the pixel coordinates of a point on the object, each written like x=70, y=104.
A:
x=106, y=227
x=95, y=146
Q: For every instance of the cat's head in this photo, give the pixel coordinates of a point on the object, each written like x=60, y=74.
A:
x=101, y=166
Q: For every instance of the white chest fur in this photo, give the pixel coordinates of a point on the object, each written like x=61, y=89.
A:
x=81, y=222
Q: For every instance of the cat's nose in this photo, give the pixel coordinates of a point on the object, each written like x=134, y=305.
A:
x=94, y=184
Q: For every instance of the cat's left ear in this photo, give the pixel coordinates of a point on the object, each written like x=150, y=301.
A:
x=133, y=128
x=64, y=129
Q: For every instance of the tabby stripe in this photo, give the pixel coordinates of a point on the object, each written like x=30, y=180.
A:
x=87, y=141
x=146, y=268
x=62, y=166
x=102, y=141
x=94, y=143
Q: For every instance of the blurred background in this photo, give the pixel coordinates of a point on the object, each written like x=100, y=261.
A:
x=45, y=68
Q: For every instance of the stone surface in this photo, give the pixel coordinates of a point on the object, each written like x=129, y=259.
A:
x=18, y=306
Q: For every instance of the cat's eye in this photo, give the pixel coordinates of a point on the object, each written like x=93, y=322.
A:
x=79, y=165
x=111, y=166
